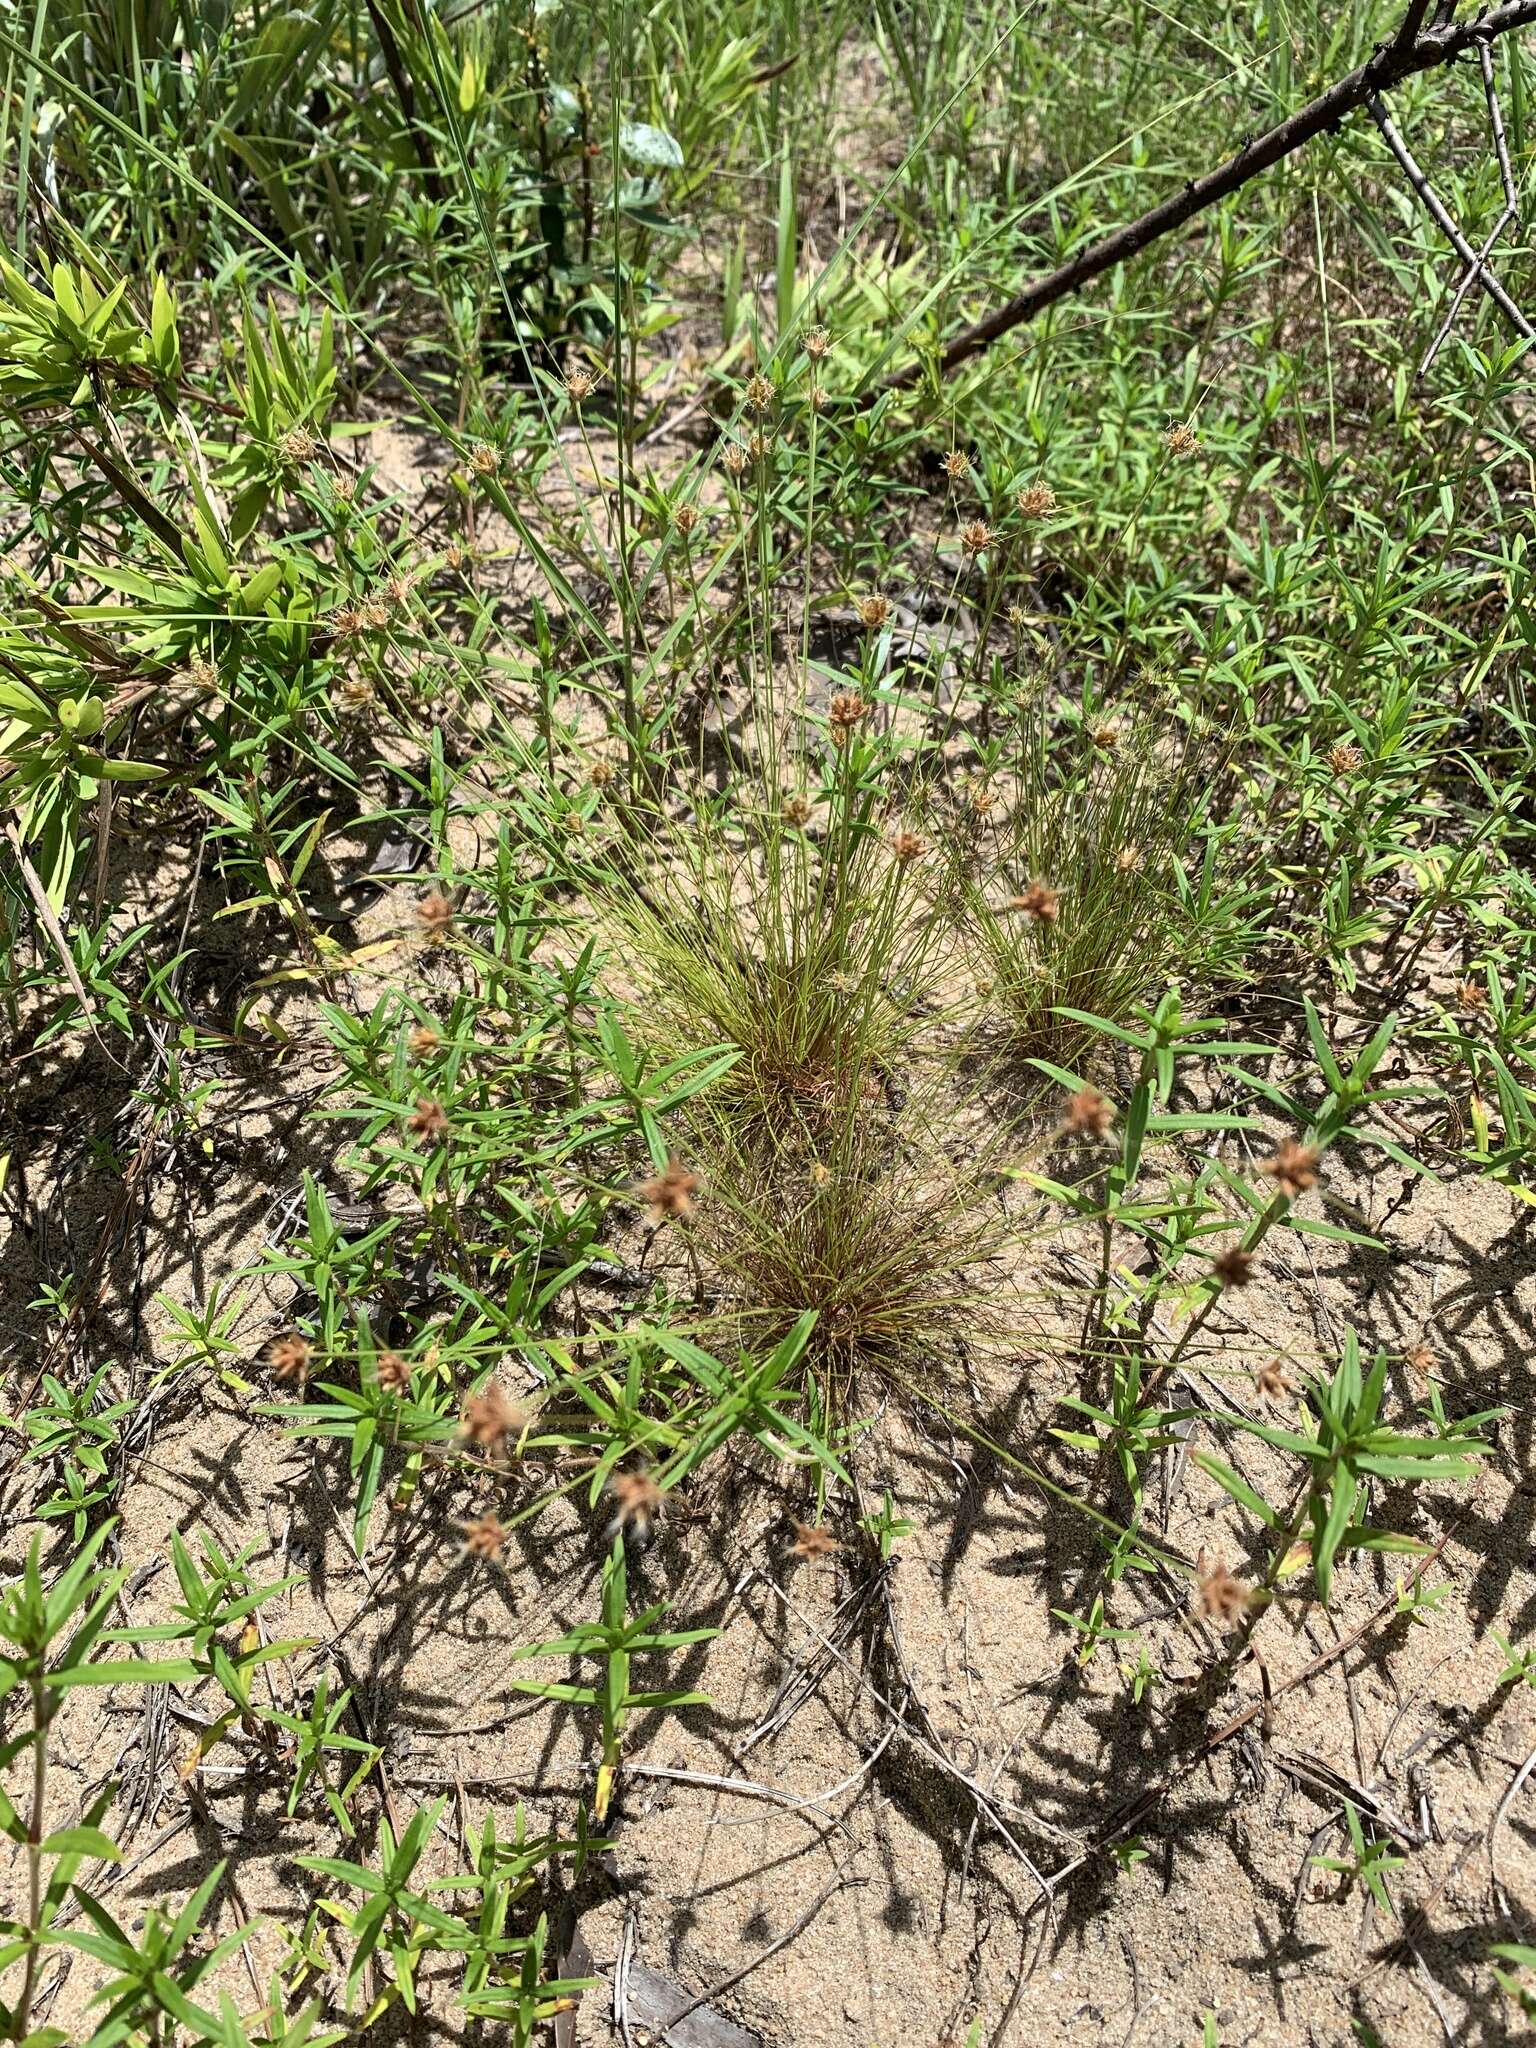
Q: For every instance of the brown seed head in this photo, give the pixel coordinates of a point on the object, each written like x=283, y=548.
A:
x=1471, y=995
x=344, y=488
x=637, y=1500
x=735, y=459
x=434, y=913
x=454, y=556
x=796, y=811
x=818, y=398
x=670, y=1193
x=573, y=824
x=579, y=385
x=398, y=591
x=356, y=694
x=1294, y=1167
x=1105, y=735
x=488, y=1419
x=907, y=846
x=1233, y=1267
x=296, y=446
x=347, y=621
x=759, y=392
x=684, y=519
x=956, y=464
x=1270, y=1383
x=1038, y=902
x=1128, y=860
x=981, y=796
x=202, y=674
x=484, y=459
x=874, y=611
x=288, y=1355
x=1222, y=1598
x=394, y=1372
x=1087, y=1114
x=975, y=538
x=844, y=713
x=1035, y=501
x=484, y=1538
x=816, y=342
x=428, y=1120
x=1181, y=439
x=1421, y=1356
x=812, y=1542
x=1345, y=758
x=600, y=774
x=423, y=1042
x=1017, y=616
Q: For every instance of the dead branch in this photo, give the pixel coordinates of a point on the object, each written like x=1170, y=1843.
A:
x=1412, y=50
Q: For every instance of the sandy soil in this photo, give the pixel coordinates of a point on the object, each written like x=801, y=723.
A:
x=922, y=1915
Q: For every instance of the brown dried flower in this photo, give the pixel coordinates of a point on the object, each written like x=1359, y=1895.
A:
x=759, y=392
x=356, y=694
x=1422, y=1357
x=484, y=460
x=1345, y=758
x=1222, y=1597
x=1294, y=1167
x=429, y=1119
x=735, y=459
x=1270, y=1383
x=1233, y=1267
x=579, y=385
x=1128, y=860
x=1471, y=995
x=394, y=1372
x=434, y=913
x=1087, y=1114
x=684, y=519
x=488, y=1419
x=288, y=1355
x=816, y=342
x=874, y=611
x=1105, y=735
x=908, y=846
x=844, y=712
x=423, y=1042
x=670, y=1193
x=296, y=446
x=638, y=1500
x=1038, y=902
x=812, y=1542
x=344, y=488
x=975, y=538
x=956, y=464
x=1181, y=439
x=484, y=1538
x=796, y=811
x=1035, y=500
x=600, y=774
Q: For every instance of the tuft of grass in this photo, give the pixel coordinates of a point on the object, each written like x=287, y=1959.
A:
x=1111, y=830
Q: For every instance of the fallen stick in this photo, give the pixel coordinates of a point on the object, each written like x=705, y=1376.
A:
x=1401, y=57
